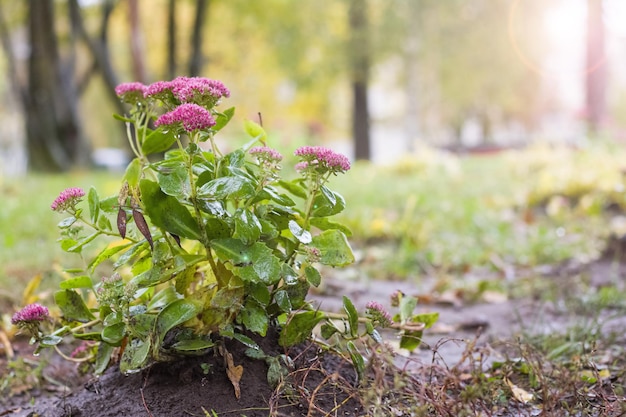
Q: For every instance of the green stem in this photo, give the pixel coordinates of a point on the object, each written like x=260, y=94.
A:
x=194, y=201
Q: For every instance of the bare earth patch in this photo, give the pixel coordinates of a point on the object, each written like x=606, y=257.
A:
x=474, y=358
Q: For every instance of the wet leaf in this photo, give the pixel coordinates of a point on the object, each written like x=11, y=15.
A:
x=303, y=236
x=173, y=314
x=334, y=247
x=299, y=328
x=167, y=213
x=158, y=141
x=72, y=306
x=312, y=276
x=192, y=345
x=135, y=356
x=254, y=317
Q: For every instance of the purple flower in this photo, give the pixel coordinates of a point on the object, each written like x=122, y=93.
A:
x=197, y=90
x=322, y=158
x=190, y=116
x=29, y=314
x=265, y=153
x=67, y=199
x=131, y=92
x=377, y=312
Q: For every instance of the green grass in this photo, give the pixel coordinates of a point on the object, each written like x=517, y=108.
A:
x=28, y=231
x=428, y=212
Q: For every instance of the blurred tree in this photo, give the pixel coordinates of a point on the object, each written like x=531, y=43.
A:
x=595, y=74
x=136, y=42
x=359, y=54
x=55, y=140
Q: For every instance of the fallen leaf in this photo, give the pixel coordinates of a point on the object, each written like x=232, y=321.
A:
x=519, y=394
x=233, y=372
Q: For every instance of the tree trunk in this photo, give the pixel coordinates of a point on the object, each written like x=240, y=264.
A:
x=171, y=39
x=196, y=58
x=360, y=68
x=136, y=42
x=595, y=74
x=55, y=141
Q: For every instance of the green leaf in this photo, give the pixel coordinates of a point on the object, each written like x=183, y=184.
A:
x=293, y=187
x=135, y=356
x=282, y=300
x=323, y=223
x=162, y=298
x=407, y=305
x=175, y=182
x=223, y=118
x=328, y=330
x=254, y=263
x=357, y=360
x=299, y=328
x=158, y=141
x=255, y=130
x=94, y=204
x=254, y=317
x=216, y=228
x=246, y=341
x=103, y=357
x=67, y=222
x=327, y=203
x=174, y=314
x=191, y=345
x=76, y=282
x=259, y=292
x=133, y=173
x=353, y=316
x=109, y=204
x=166, y=212
x=312, y=276
x=88, y=336
x=114, y=333
x=106, y=254
x=411, y=340
x=247, y=226
x=299, y=233
x=50, y=340
x=427, y=318
x=232, y=187
x=72, y=306
x=334, y=247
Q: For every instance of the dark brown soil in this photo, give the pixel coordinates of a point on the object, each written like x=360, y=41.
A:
x=197, y=386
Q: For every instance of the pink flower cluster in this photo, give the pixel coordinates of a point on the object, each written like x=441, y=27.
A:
x=322, y=158
x=266, y=153
x=67, y=199
x=197, y=90
x=191, y=116
x=378, y=313
x=29, y=314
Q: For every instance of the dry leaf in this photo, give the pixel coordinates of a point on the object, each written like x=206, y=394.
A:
x=233, y=372
x=519, y=394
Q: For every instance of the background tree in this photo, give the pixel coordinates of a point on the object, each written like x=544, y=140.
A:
x=595, y=65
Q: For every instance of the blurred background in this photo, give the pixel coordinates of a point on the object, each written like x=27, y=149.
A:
x=490, y=132
x=374, y=78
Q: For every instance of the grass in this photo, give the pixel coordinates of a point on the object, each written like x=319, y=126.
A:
x=432, y=211
x=441, y=214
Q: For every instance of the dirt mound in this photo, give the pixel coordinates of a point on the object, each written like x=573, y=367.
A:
x=198, y=386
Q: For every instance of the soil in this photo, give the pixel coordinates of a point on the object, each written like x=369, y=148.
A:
x=320, y=383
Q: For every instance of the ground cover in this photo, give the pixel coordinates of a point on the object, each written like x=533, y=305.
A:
x=530, y=296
